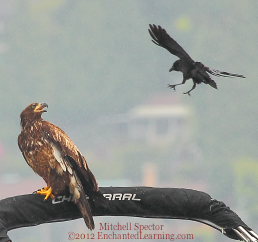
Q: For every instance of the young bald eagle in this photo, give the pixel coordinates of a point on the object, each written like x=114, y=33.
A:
x=53, y=156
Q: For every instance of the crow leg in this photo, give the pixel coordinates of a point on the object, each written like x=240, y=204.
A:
x=194, y=85
x=174, y=86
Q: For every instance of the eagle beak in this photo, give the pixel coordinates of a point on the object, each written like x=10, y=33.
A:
x=40, y=107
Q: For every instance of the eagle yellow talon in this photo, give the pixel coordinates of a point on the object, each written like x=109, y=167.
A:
x=47, y=191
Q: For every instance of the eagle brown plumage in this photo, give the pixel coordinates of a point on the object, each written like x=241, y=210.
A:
x=53, y=156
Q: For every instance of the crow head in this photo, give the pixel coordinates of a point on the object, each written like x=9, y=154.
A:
x=176, y=66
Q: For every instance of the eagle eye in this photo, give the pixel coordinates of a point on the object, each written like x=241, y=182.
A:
x=33, y=106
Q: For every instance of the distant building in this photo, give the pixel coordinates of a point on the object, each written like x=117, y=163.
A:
x=152, y=123
x=153, y=141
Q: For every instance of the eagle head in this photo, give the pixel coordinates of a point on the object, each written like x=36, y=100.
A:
x=33, y=111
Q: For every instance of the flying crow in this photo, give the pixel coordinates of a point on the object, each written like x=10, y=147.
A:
x=190, y=69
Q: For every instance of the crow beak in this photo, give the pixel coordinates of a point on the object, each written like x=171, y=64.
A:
x=171, y=69
x=40, y=107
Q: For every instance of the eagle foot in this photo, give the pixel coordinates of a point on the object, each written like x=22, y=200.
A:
x=47, y=191
x=172, y=86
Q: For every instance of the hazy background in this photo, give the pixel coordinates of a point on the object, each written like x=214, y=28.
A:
x=93, y=62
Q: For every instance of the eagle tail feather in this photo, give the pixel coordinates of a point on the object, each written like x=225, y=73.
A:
x=84, y=207
x=80, y=199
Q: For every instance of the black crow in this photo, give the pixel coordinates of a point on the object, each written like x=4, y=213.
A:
x=190, y=69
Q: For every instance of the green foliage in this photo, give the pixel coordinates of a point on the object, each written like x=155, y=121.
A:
x=246, y=178
x=246, y=185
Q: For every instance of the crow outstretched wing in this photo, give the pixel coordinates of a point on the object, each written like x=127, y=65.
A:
x=161, y=38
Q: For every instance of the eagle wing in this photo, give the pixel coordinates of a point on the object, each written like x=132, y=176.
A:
x=21, y=148
x=68, y=155
x=161, y=38
x=70, y=159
